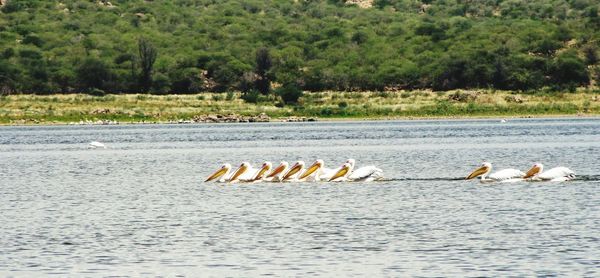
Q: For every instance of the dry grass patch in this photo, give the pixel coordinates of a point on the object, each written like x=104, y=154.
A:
x=133, y=107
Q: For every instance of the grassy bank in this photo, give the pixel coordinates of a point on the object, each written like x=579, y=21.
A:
x=31, y=109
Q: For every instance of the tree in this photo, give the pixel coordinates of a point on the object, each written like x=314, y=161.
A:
x=127, y=71
x=591, y=55
x=93, y=74
x=33, y=39
x=147, y=56
x=289, y=93
x=186, y=80
x=315, y=45
x=450, y=73
x=524, y=72
x=546, y=47
x=8, y=78
x=161, y=84
x=225, y=71
x=263, y=65
x=568, y=69
x=360, y=37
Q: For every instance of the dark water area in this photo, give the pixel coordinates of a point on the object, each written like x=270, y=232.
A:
x=141, y=208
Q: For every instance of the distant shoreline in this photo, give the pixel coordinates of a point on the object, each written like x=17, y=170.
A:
x=81, y=109
x=325, y=120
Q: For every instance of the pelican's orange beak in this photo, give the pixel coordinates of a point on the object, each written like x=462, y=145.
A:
x=242, y=169
x=340, y=173
x=262, y=171
x=295, y=169
x=276, y=171
x=216, y=174
x=310, y=170
x=532, y=172
x=478, y=172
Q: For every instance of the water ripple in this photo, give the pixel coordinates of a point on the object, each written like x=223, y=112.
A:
x=140, y=208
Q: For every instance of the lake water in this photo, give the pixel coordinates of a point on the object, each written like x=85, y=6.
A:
x=141, y=208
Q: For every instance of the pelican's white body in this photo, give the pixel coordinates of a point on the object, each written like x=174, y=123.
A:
x=96, y=145
x=554, y=174
x=324, y=174
x=504, y=175
x=365, y=174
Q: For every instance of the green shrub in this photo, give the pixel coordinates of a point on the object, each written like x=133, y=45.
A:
x=251, y=96
x=51, y=47
x=33, y=39
x=161, y=84
x=326, y=111
x=353, y=95
x=96, y=92
x=383, y=94
x=462, y=96
x=230, y=96
x=289, y=93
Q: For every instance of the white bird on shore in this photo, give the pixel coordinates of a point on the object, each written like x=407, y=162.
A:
x=555, y=174
x=505, y=175
x=96, y=145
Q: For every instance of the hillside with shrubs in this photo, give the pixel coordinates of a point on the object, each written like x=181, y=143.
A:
x=191, y=46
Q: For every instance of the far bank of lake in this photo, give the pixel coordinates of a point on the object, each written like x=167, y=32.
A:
x=231, y=107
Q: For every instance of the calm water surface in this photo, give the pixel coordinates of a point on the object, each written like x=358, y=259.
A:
x=140, y=208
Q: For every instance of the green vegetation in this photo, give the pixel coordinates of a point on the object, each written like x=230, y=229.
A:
x=23, y=109
x=191, y=46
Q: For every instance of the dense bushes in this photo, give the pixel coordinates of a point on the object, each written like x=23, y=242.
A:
x=189, y=46
x=289, y=93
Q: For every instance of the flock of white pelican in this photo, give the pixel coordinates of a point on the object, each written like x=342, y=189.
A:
x=296, y=173
x=347, y=172
x=535, y=173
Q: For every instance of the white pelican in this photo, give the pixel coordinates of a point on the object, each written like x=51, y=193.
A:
x=262, y=172
x=320, y=172
x=246, y=173
x=555, y=174
x=343, y=173
x=221, y=175
x=96, y=144
x=505, y=175
x=365, y=173
x=294, y=172
x=277, y=173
